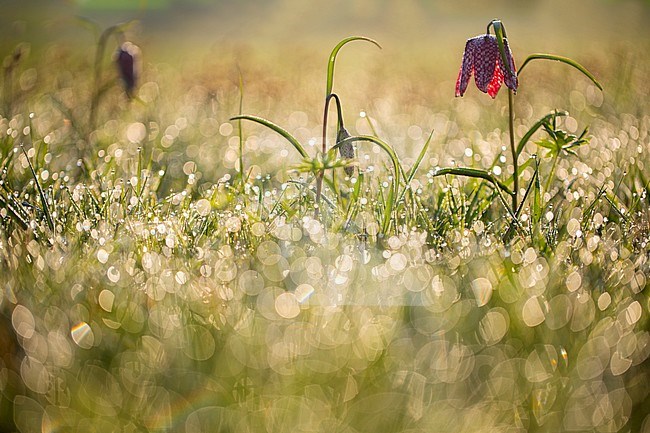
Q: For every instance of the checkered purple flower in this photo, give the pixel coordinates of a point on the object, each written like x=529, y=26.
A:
x=482, y=58
x=127, y=58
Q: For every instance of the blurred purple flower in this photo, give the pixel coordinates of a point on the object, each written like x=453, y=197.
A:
x=482, y=57
x=127, y=59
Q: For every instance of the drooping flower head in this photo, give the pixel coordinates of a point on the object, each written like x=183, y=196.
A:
x=127, y=59
x=483, y=59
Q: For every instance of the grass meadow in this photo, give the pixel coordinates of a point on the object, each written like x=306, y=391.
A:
x=167, y=268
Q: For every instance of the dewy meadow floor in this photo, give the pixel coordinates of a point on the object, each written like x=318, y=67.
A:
x=147, y=287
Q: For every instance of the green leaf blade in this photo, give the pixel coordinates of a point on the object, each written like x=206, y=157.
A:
x=283, y=132
x=562, y=59
x=541, y=122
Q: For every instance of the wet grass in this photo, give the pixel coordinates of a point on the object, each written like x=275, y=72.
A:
x=151, y=284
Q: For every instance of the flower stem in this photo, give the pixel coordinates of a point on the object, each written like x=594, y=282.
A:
x=513, y=149
x=321, y=173
x=239, y=132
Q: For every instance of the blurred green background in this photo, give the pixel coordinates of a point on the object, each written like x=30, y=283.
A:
x=175, y=28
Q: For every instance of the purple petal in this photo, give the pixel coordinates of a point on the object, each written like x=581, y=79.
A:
x=466, y=68
x=485, y=61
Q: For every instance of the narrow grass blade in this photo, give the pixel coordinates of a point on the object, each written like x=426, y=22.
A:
x=411, y=174
x=562, y=59
x=537, y=197
x=528, y=191
x=388, y=209
x=14, y=213
x=46, y=209
x=475, y=173
x=474, y=209
x=588, y=212
x=332, y=58
x=616, y=209
x=4, y=166
x=354, y=200
x=283, y=132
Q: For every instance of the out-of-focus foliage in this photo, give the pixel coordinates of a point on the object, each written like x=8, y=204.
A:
x=172, y=296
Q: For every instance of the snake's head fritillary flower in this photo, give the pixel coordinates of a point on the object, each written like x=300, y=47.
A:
x=482, y=58
x=127, y=59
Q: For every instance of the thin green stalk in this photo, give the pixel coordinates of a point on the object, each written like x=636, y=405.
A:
x=239, y=132
x=99, y=54
x=551, y=174
x=513, y=149
x=321, y=173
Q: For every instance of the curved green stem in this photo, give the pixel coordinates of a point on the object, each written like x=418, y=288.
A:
x=332, y=59
x=283, y=132
x=565, y=60
x=239, y=132
x=475, y=173
x=321, y=173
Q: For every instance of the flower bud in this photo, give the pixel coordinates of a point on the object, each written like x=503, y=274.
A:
x=346, y=150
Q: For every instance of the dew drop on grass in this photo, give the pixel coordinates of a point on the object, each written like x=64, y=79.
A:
x=180, y=277
x=199, y=344
x=102, y=254
x=113, y=274
x=482, y=289
x=604, y=300
x=541, y=363
x=398, y=262
x=493, y=326
x=258, y=229
x=560, y=312
x=633, y=313
x=83, y=335
x=532, y=312
x=251, y=282
x=136, y=132
x=233, y=224
x=303, y=292
x=225, y=129
x=529, y=256
x=573, y=281
x=106, y=299
x=618, y=364
x=23, y=321
x=266, y=252
x=287, y=306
